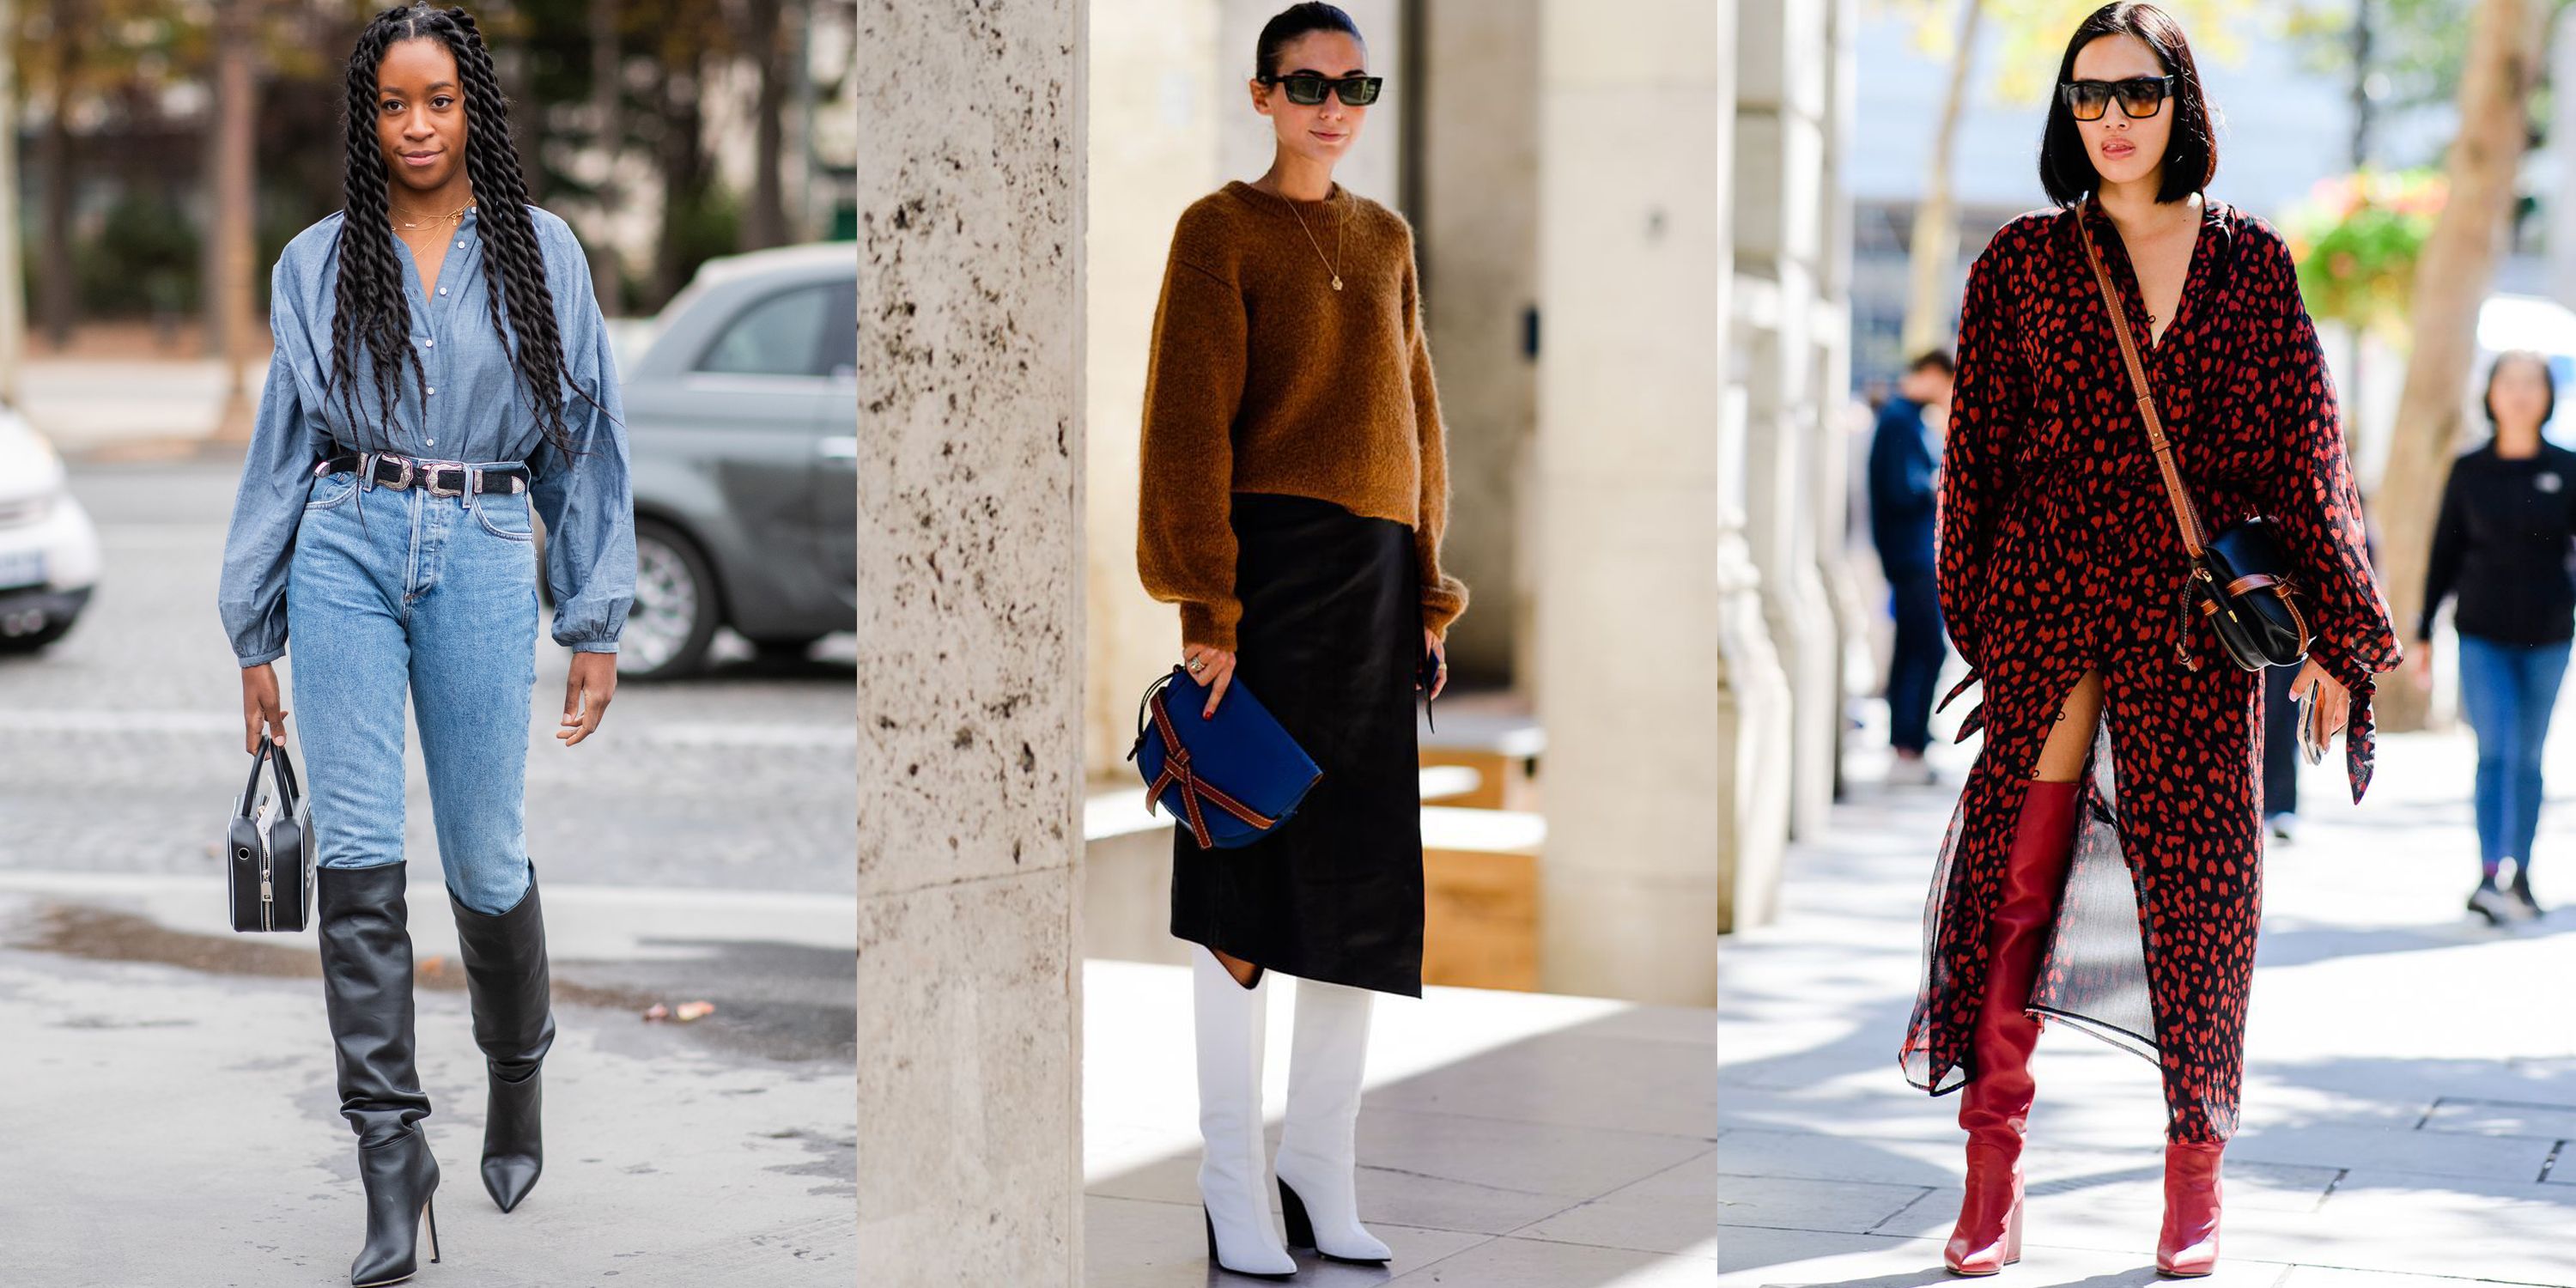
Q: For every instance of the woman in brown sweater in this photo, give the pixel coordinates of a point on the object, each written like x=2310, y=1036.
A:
x=1293, y=497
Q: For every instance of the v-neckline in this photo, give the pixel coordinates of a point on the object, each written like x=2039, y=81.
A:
x=423, y=283
x=2126, y=271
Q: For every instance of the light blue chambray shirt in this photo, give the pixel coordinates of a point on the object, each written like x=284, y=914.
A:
x=474, y=411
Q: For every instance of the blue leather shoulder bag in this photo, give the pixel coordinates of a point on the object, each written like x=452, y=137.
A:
x=1231, y=777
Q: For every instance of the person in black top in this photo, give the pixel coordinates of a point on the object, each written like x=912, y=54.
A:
x=1901, y=520
x=2502, y=543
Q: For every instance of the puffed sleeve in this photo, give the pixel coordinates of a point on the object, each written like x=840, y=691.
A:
x=1988, y=402
x=2308, y=487
x=586, y=499
x=277, y=475
x=1443, y=597
x=1194, y=377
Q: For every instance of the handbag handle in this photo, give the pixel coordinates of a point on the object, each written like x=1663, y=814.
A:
x=289, y=791
x=2185, y=516
x=250, y=790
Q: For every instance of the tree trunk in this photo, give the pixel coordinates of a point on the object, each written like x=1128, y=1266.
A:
x=607, y=64
x=1936, y=223
x=2451, y=282
x=235, y=120
x=682, y=157
x=765, y=223
x=59, y=292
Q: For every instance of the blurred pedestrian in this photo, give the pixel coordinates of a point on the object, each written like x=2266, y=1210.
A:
x=1295, y=489
x=2502, y=544
x=441, y=370
x=2064, y=574
x=1903, y=494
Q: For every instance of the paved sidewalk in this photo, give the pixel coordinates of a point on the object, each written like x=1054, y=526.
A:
x=171, y=1117
x=1507, y=1140
x=2410, y=1095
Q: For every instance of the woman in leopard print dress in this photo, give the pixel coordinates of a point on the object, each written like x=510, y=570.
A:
x=2129, y=910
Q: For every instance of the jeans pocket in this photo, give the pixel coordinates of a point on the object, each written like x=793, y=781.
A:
x=331, y=489
x=504, y=515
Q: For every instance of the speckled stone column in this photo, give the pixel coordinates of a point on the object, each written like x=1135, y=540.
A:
x=970, y=628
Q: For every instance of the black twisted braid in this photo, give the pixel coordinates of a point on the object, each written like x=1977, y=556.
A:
x=373, y=313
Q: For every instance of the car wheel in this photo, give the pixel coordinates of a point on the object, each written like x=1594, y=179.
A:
x=675, y=613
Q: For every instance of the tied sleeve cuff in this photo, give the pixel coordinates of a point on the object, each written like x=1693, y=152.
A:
x=1210, y=625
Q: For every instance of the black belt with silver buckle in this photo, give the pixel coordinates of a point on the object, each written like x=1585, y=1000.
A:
x=435, y=478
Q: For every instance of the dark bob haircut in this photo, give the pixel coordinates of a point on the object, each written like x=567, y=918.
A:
x=2548, y=380
x=1294, y=21
x=2191, y=150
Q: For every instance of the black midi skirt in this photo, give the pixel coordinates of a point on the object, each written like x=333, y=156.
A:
x=1330, y=636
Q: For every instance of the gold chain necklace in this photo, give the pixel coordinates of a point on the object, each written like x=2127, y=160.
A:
x=454, y=216
x=1333, y=265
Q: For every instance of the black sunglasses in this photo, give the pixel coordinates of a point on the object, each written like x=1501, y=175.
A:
x=2140, y=96
x=1307, y=88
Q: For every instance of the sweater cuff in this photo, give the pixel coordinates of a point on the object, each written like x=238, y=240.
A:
x=1210, y=625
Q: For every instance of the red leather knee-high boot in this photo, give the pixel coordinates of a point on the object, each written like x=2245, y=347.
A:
x=1996, y=1103
x=2188, y=1245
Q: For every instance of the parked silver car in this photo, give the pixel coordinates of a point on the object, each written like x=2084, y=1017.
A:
x=742, y=419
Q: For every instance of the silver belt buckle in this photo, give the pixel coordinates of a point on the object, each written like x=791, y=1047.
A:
x=409, y=474
x=429, y=481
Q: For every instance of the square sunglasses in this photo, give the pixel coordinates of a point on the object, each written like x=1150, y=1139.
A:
x=1307, y=89
x=2140, y=96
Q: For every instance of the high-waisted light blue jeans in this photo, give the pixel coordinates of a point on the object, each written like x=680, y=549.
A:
x=394, y=592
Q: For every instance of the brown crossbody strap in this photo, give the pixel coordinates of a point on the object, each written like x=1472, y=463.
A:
x=2185, y=517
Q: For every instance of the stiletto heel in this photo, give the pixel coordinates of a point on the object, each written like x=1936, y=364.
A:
x=1301, y=1229
x=429, y=1212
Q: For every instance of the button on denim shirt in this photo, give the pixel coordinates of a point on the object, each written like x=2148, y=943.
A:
x=474, y=411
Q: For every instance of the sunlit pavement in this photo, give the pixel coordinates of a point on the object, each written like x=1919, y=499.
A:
x=2411, y=1076
x=1506, y=1140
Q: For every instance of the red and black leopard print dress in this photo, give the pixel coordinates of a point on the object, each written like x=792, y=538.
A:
x=2058, y=554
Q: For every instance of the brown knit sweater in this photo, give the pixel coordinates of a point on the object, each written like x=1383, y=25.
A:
x=1266, y=379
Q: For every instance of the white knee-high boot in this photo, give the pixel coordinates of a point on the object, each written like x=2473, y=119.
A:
x=1318, y=1155
x=1233, y=1167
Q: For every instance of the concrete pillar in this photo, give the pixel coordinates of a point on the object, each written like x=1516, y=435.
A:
x=1659, y=704
x=970, y=195
x=1779, y=243
x=1830, y=347
x=1478, y=227
x=1153, y=127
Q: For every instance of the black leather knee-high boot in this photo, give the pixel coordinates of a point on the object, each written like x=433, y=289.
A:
x=505, y=974
x=366, y=988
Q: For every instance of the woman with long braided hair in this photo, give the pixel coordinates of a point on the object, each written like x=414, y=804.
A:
x=441, y=369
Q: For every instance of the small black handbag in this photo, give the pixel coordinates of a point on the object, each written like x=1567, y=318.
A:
x=268, y=855
x=2239, y=579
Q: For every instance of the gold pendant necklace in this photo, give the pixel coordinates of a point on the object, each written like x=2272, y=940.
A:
x=1333, y=265
x=454, y=216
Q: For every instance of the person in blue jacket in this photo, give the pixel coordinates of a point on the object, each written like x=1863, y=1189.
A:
x=1903, y=460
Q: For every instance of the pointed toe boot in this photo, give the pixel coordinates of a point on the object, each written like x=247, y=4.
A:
x=1994, y=1107
x=506, y=978
x=365, y=938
